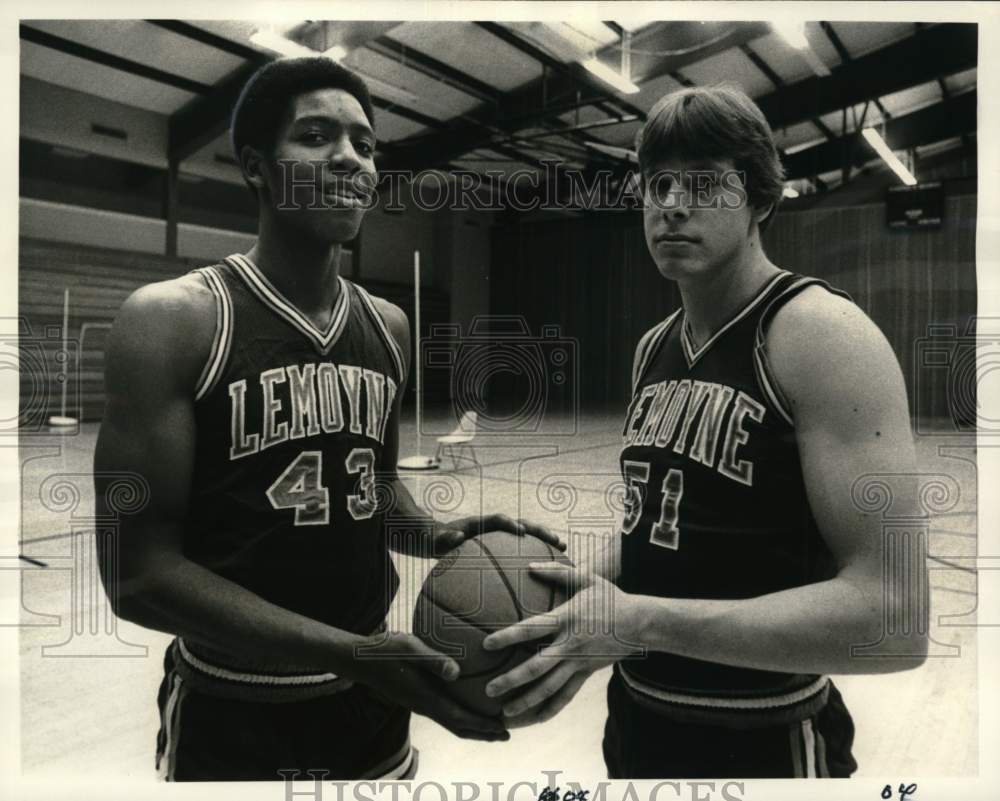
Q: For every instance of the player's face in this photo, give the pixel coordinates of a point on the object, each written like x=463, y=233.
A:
x=696, y=217
x=322, y=172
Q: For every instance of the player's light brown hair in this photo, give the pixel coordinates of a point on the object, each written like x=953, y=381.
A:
x=715, y=122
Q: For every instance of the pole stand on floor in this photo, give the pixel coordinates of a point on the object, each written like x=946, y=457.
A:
x=62, y=421
x=417, y=461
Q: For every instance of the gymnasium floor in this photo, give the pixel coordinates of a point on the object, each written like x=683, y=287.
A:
x=88, y=702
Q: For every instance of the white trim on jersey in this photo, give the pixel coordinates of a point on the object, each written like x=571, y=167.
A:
x=755, y=703
x=271, y=297
x=252, y=678
x=166, y=759
x=648, y=346
x=692, y=355
x=809, y=741
x=398, y=766
x=764, y=380
x=394, y=349
x=762, y=368
x=223, y=338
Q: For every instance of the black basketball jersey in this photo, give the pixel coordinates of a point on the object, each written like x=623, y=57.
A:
x=716, y=505
x=290, y=423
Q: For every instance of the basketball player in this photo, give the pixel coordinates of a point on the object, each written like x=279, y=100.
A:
x=746, y=572
x=259, y=401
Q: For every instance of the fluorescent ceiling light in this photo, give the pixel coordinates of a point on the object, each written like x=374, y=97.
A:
x=613, y=150
x=792, y=32
x=609, y=76
x=815, y=62
x=586, y=34
x=571, y=45
x=795, y=34
x=69, y=152
x=279, y=44
x=879, y=146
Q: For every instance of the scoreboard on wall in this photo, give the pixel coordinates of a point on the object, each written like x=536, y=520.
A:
x=919, y=206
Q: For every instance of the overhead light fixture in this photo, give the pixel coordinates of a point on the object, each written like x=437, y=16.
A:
x=792, y=32
x=873, y=138
x=69, y=152
x=614, y=150
x=568, y=44
x=609, y=76
x=795, y=34
x=276, y=43
x=284, y=46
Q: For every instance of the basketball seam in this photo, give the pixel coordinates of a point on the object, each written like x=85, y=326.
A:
x=506, y=583
x=458, y=615
x=479, y=627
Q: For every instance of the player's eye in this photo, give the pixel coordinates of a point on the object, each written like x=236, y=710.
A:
x=313, y=137
x=364, y=147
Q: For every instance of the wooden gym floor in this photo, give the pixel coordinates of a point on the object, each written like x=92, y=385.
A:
x=88, y=702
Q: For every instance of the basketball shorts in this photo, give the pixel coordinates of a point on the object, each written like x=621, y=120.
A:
x=642, y=743
x=353, y=733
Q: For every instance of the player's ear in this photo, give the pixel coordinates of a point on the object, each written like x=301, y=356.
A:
x=761, y=214
x=251, y=162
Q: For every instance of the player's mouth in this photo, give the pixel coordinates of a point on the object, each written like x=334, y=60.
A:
x=344, y=197
x=674, y=239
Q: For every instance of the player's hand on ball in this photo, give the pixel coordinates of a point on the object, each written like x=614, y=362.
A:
x=415, y=677
x=592, y=630
x=451, y=535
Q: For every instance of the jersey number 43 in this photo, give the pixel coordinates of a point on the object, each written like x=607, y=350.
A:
x=664, y=532
x=301, y=488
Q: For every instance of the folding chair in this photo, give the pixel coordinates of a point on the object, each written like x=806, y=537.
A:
x=458, y=444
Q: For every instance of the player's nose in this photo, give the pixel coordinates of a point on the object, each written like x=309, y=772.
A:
x=678, y=206
x=343, y=156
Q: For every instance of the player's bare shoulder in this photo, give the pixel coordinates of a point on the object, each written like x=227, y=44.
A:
x=168, y=327
x=820, y=344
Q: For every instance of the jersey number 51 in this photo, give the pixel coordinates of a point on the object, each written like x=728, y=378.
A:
x=664, y=532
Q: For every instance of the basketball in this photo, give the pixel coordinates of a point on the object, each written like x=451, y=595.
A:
x=480, y=587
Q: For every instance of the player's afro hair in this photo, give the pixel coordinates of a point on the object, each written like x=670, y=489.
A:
x=265, y=98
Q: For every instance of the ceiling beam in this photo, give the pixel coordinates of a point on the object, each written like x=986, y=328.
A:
x=205, y=118
x=936, y=50
x=388, y=47
x=944, y=120
x=105, y=59
x=845, y=56
x=776, y=80
x=577, y=75
x=684, y=43
x=565, y=88
x=204, y=37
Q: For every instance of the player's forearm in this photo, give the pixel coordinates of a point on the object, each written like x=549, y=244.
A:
x=410, y=530
x=810, y=629
x=188, y=600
